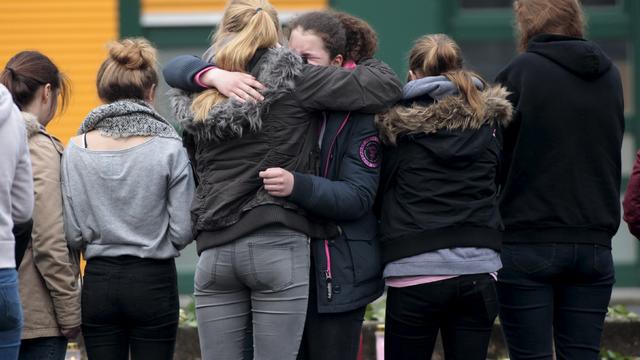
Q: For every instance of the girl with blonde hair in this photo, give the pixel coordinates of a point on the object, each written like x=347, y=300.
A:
x=440, y=225
x=127, y=187
x=253, y=242
x=561, y=185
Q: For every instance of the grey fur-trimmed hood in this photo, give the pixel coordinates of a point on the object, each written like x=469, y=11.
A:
x=450, y=113
x=277, y=69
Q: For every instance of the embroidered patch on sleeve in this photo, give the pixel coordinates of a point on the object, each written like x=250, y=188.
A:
x=370, y=152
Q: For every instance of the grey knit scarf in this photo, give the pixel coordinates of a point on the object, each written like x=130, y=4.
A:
x=127, y=118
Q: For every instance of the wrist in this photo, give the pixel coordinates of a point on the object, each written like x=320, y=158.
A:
x=199, y=78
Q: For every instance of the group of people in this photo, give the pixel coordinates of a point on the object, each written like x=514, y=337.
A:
x=311, y=179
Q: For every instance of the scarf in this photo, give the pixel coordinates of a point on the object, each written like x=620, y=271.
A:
x=125, y=118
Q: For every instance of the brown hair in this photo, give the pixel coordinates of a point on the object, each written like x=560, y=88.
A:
x=534, y=17
x=27, y=71
x=437, y=54
x=247, y=25
x=362, y=40
x=327, y=27
x=129, y=72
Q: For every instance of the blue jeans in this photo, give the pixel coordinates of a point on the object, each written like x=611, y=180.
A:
x=554, y=292
x=44, y=348
x=10, y=315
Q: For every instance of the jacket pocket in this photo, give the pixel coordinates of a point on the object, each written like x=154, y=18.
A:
x=365, y=257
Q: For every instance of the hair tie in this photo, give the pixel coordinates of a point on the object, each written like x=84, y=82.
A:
x=258, y=10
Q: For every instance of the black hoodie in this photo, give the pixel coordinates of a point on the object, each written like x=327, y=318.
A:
x=561, y=178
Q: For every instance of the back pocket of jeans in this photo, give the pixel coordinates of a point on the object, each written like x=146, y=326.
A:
x=206, y=269
x=10, y=307
x=272, y=266
x=529, y=258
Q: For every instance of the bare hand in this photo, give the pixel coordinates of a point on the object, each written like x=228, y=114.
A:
x=234, y=85
x=277, y=181
x=71, y=333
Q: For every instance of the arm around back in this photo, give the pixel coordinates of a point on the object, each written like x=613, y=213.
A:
x=180, y=72
x=181, y=190
x=370, y=88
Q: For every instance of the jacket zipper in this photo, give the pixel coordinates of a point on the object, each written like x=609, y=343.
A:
x=327, y=274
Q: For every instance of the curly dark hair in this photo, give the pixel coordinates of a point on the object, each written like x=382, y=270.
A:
x=362, y=40
x=326, y=26
x=342, y=33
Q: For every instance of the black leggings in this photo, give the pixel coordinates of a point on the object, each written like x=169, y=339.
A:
x=131, y=305
x=463, y=309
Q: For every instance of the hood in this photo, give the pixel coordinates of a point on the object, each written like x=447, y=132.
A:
x=449, y=113
x=436, y=87
x=448, y=128
x=580, y=57
x=31, y=124
x=277, y=68
x=7, y=107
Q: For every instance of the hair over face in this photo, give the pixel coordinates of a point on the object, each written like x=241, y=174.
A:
x=535, y=17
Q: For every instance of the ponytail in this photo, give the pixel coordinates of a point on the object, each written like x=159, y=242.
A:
x=437, y=54
x=250, y=25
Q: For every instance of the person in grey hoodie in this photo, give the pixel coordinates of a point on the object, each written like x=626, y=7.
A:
x=16, y=206
x=127, y=187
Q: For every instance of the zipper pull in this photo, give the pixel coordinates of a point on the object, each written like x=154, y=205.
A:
x=329, y=285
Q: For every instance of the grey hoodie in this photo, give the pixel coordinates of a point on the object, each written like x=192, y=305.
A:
x=16, y=183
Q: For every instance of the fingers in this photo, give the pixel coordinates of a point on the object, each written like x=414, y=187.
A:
x=253, y=93
x=271, y=172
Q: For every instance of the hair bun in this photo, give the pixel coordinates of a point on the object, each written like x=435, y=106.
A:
x=134, y=54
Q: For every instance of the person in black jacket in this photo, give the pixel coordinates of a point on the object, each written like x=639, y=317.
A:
x=560, y=198
x=346, y=270
x=254, y=254
x=440, y=223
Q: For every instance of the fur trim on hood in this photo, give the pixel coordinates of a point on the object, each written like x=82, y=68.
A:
x=450, y=113
x=31, y=124
x=229, y=119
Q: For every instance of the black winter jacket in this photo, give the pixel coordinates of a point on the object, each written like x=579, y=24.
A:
x=438, y=186
x=562, y=155
x=347, y=268
x=237, y=141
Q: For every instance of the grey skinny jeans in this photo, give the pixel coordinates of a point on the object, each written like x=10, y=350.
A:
x=262, y=277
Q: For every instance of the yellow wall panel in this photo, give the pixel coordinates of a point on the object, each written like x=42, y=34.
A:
x=73, y=33
x=172, y=6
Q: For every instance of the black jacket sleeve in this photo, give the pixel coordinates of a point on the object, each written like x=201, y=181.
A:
x=510, y=134
x=180, y=71
x=22, y=234
x=351, y=195
x=371, y=87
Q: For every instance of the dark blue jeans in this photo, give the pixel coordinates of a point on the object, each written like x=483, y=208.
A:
x=10, y=315
x=554, y=292
x=44, y=348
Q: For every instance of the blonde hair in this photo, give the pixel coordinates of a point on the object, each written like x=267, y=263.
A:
x=534, y=17
x=437, y=54
x=247, y=25
x=129, y=72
